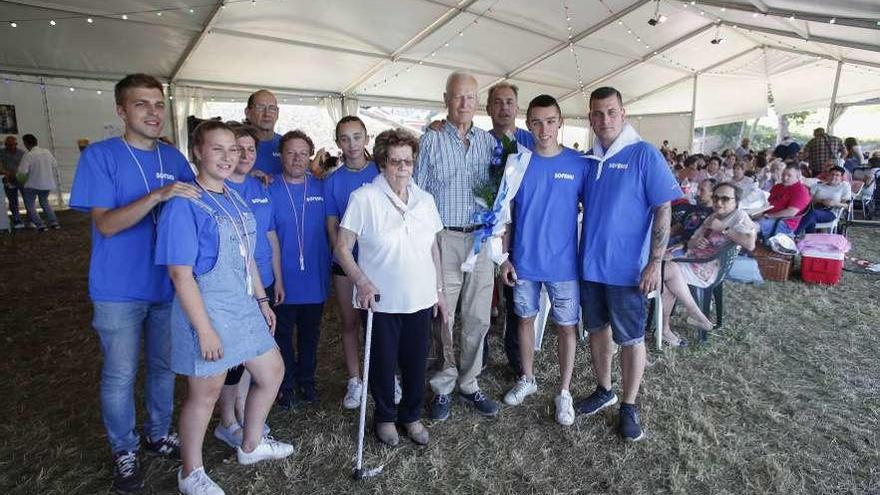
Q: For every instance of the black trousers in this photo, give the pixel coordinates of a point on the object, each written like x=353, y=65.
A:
x=299, y=363
x=399, y=341
x=511, y=333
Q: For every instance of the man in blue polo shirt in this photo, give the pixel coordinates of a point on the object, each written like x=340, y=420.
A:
x=123, y=182
x=545, y=224
x=262, y=113
x=502, y=106
x=627, y=192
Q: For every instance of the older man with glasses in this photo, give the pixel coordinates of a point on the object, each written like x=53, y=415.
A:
x=262, y=113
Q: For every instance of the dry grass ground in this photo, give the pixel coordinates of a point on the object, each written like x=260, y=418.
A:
x=785, y=400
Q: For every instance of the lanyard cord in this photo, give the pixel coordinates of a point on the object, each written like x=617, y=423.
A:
x=244, y=242
x=300, y=225
x=144, y=176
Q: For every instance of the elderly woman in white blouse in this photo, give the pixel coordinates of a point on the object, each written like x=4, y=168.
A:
x=394, y=224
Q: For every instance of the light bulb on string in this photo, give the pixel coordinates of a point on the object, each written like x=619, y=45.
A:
x=13, y=24
x=90, y=20
x=52, y=22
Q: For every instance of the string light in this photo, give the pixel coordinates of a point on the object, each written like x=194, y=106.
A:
x=574, y=54
x=90, y=17
x=638, y=39
x=433, y=53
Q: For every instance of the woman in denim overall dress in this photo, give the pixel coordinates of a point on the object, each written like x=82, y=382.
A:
x=220, y=315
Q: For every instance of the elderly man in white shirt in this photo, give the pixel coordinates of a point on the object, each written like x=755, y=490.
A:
x=39, y=166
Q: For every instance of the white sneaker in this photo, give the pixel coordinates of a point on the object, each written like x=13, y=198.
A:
x=564, y=409
x=398, y=392
x=197, y=483
x=231, y=436
x=523, y=388
x=353, y=393
x=269, y=449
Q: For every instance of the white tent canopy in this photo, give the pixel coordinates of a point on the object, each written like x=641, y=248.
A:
x=387, y=51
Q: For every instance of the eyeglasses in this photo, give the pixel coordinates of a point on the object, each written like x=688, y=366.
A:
x=265, y=108
x=722, y=199
x=400, y=163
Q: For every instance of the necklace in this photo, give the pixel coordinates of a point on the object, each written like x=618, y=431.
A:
x=144, y=176
x=244, y=241
x=300, y=224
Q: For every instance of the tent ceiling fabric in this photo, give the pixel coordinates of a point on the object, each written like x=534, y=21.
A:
x=372, y=49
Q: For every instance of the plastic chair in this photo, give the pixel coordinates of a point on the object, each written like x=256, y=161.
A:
x=703, y=296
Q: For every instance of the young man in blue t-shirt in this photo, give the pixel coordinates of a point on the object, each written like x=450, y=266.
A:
x=123, y=182
x=262, y=113
x=627, y=192
x=545, y=225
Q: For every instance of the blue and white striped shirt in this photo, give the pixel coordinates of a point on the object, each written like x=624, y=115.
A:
x=450, y=171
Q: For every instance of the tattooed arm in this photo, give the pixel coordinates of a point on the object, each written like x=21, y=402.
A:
x=650, y=280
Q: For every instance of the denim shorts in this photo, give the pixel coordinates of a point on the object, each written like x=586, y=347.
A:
x=563, y=300
x=625, y=308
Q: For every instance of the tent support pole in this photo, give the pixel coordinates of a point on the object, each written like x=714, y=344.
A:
x=694, y=113
x=833, y=106
x=59, y=200
x=174, y=136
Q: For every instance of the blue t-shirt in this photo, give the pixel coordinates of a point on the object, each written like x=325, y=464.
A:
x=311, y=285
x=268, y=156
x=545, y=218
x=121, y=268
x=189, y=236
x=619, y=200
x=340, y=184
x=256, y=195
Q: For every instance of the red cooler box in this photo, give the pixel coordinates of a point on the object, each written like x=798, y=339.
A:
x=821, y=268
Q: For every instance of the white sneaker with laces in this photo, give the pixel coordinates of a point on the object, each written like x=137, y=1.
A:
x=353, y=393
x=398, y=392
x=269, y=449
x=564, y=408
x=523, y=388
x=197, y=483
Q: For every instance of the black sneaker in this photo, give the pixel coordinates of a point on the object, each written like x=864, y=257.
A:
x=127, y=473
x=440, y=407
x=598, y=400
x=167, y=446
x=483, y=404
x=629, y=426
x=55, y=226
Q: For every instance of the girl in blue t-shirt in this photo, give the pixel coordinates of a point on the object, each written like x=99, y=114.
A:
x=357, y=169
x=256, y=194
x=220, y=316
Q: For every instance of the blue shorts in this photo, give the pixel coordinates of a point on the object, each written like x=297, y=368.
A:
x=625, y=308
x=563, y=300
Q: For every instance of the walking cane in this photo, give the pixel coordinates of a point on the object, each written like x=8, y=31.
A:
x=359, y=471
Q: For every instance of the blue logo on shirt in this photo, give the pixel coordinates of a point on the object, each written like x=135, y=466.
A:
x=260, y=201
x=563, y=176
x=315, y=198
x=618, y=166
x=162, y=175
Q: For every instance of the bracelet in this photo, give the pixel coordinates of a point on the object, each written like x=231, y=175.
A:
x=261, y=300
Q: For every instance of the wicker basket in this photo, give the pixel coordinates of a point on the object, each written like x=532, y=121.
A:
x=773, y=266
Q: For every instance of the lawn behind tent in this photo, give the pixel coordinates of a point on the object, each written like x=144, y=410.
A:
x=785, y=400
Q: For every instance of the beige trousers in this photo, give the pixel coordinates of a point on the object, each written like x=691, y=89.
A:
x=472, y=293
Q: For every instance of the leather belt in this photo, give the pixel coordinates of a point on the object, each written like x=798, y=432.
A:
x=466, y=229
